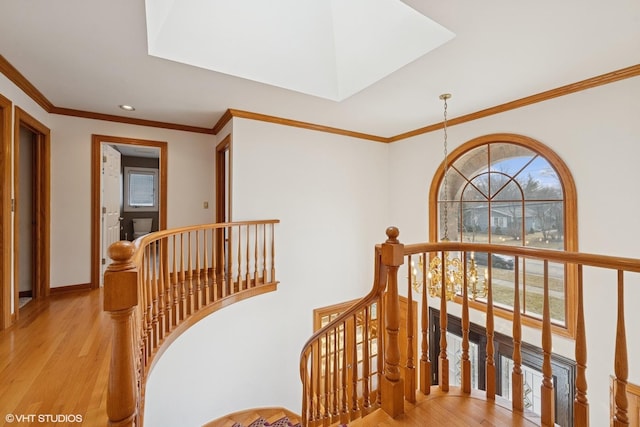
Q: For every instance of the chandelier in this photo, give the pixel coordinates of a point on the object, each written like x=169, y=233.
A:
x=452, y=278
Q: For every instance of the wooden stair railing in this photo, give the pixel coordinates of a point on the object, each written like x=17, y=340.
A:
x=341, y=365
x=166, y=281
x=335, y=392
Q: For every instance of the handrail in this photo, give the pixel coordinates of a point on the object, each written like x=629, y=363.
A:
x=315, y=404
x=164, y=282
x=315, y=366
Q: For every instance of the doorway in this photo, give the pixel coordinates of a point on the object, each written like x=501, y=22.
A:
x=99, y=244
x=31, y=208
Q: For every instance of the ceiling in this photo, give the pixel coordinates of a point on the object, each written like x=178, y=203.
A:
x=92, y=56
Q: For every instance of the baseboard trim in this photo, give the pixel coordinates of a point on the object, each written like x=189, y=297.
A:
x=25, y=294
x=71, y=288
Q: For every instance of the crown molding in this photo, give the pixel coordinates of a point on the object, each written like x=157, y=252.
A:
x=129, y=120
x=19, y=80
x=25, y=85
x=592, y=82
x=305, y=125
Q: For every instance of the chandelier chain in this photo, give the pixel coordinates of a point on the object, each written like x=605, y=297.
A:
x=444, y=97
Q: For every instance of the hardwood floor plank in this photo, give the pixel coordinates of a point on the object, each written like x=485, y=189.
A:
x=55, y=359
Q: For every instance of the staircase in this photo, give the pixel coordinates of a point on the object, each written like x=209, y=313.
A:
x=262, y=417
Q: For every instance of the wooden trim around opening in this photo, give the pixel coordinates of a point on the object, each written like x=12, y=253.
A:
x=42, y=200
x=5, y=212
x=96, y=159
x=570, y=217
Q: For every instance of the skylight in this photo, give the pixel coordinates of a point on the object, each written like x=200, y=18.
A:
x=327, y=48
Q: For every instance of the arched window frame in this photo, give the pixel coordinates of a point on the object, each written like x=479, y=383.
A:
x=570, y=220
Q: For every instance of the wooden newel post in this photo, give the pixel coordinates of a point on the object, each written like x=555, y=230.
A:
x=392, y=384
x=120, y=300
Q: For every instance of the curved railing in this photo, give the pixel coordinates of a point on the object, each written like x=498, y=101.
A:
x=328, y=360
x=164, y=282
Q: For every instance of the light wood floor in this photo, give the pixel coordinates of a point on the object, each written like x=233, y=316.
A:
x=451, y=409
x=55, y=360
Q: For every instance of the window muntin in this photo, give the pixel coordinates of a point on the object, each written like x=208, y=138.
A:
x=512, y=193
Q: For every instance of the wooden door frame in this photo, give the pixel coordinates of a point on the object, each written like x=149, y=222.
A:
x=5, y=212
x=223, y=187
x=96, y=177
x=223, y=193
x=42, y=204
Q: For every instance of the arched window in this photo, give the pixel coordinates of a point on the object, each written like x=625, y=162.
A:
x=511, y=190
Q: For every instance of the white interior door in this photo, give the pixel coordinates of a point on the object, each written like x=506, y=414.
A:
x=111, y=191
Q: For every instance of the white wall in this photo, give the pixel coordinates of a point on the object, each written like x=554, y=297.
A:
x=597, y=133
x=191, y=160
x=330, y=194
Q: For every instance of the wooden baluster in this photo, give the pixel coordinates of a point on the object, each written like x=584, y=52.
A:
x=264, y=253
x=410, y=369
x=327, y=377
x=382, y=343
x=465, y=363
x=344, y=377
x=248, y=262
x=239, y=275
x=198, y=290
x=120, y=300
x=255, y=258
x=305, y=388
x=366, y=361
x=207, y=282
x=392, y=387
x=191, y=305
x=148, y=285
x=183, y=299
x=214, y=266
x=425, y=362
x=223, y=263
x=166, y=282
x=335, y=388
x=443, y=362
x=273, y=253
x=175, y=320
x=355, y=409
x=318, y=387
x=547, y=395
x=144, y=304
x=621, y=364
x=517, y=377
x=581, y=403
x=490, y=369
x=229, y=261
x=158, y=314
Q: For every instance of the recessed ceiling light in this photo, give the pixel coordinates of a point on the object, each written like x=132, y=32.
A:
x=127, y=107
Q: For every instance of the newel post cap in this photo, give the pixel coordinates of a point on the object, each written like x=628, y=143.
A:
x=121, y=278
x=392, y=249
